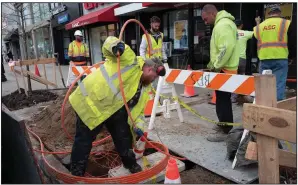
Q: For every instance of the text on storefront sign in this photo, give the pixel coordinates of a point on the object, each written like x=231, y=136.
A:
x=90, y=6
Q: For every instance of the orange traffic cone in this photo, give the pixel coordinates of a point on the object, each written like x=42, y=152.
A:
x=213, y=101
x=172, y=173
x=37, y=71
x=140, y=146
x=149, y=106
x=189, y=91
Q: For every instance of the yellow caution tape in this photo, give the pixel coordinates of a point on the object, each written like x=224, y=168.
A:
x=289, y=146
x=147, y=165
x=187, y=107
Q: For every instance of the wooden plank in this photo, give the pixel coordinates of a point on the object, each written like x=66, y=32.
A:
x=268, y=155
x=288, y=104
x=41, y=80
x=287, y=158
x=269, y=121
x=36, y=61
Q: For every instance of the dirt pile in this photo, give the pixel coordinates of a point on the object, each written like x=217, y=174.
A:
x=47, y=125
x=16, y=101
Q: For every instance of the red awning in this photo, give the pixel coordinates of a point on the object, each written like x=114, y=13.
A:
x=103, y=15
x=164, y=5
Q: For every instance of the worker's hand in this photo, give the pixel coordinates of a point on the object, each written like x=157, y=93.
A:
x=258, y=20
x=138, y=131
x=210, y=66
x=120, y=47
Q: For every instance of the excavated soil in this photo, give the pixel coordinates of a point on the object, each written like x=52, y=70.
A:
x=47, y=125
x=16, y=100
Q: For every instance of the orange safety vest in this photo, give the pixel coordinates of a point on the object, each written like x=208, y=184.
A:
x=78, y=52
x=272, y=38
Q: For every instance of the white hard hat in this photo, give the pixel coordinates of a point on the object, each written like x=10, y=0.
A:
x=78, y=33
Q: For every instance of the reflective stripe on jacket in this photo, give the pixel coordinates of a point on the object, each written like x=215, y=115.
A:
x=78, y=53
x=99, y=96
x=272, y=38
x=156, y=46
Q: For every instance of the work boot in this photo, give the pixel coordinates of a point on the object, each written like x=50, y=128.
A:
x=135, y=168
x=218, y=137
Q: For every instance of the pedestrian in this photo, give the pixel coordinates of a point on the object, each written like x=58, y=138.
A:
x=3, y=77
x=224, y=58
x=156, y=37
x=98, y=102
x=243, y=36
x=272, y=35
x=78, y=51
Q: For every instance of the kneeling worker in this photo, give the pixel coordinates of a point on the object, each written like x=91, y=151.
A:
x=98, y=102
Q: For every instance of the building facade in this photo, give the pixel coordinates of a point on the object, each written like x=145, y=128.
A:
x=97, y=23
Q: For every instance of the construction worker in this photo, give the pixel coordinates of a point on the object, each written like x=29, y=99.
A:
x=243, y=36
x=98, y=102
x=78, y=51
x=224, y=58
x=156, y=38
x=272, y=36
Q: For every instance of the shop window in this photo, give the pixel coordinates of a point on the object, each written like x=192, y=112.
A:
x=179, y=29
x=43, y=42
x=111, y=30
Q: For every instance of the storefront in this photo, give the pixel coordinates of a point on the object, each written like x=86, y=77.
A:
x=63, y=14
x=98, y=22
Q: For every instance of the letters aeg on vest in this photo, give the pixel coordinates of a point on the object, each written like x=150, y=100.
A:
x=269, y=27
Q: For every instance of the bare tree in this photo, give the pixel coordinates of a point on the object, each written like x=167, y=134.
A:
x=17, y=15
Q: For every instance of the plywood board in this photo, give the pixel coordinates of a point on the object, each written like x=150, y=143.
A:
x=189, y=140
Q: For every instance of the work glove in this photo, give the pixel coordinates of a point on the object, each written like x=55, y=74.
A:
x=119, y=47
x=138, y=131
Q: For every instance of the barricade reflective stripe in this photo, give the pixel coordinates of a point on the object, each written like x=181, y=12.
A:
x=109, y=81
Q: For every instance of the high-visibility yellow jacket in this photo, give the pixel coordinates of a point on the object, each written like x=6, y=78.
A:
x=272, y=38
x=156, y=46
x=78, y=51
x=99, y=96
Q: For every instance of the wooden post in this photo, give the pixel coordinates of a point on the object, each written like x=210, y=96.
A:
x=15, y=75
x=268, y=153
x=45, y=74
x=22, y=72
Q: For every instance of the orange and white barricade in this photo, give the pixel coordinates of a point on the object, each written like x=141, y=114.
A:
x=238, y=84
x=162, y=88
x=75, y=71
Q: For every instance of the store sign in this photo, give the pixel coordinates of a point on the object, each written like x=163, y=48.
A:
x=90, y=6
x=63, y=18
x=59, y=9
x=286, y=10
x=78, y=24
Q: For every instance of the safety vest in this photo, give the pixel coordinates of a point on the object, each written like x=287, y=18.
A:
x=99, y=97
x=156, y=50
x=78, y=53
x=272, y=38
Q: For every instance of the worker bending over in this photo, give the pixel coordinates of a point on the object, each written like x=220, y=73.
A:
x=272, y=36
x=224, y=58
x=98, y=102
x=78, y=51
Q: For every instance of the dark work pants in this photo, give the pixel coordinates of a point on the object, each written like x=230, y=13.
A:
x=224, y=109
x=119, y=129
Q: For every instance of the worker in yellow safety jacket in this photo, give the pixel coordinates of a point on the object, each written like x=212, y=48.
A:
x=78, y=51
x=156, y=38
x=272, y=36
x=224, y=58
x=98, y=102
